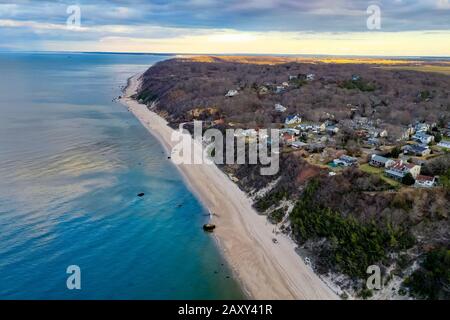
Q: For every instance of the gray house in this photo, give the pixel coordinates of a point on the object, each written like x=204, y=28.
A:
x=416, y=150
x=381, y=162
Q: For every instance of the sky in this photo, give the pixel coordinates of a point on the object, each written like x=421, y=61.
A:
x=329, y=27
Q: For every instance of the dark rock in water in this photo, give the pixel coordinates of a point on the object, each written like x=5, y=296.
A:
x=141, y=194
x=168, y=157
x=179, y=205
x=209, y=227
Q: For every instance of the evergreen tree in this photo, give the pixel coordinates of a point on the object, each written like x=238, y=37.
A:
x=408, y=179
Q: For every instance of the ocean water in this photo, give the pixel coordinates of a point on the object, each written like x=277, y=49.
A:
x=72, y=162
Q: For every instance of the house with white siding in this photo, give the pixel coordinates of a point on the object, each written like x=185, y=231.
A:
x=399, y=170
x=444, y=144
x=280, y=108
x=232, y=93
x=381, y=162
x=293, y=119
x=346, y=161
x=425, y=181
x=423, y=137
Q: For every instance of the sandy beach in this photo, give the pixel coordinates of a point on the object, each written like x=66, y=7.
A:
x=266, y=270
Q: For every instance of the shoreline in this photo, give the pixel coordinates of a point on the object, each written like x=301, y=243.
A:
x=265, y=270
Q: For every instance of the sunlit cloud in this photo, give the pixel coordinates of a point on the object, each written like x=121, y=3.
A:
x=379, y=44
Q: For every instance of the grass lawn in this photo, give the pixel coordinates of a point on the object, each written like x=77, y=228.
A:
x=314, y=162
x=379, y=172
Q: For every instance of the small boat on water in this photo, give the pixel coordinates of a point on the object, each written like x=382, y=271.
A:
x=209, y=227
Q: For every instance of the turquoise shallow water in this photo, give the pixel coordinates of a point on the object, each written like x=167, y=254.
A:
x=71, y=164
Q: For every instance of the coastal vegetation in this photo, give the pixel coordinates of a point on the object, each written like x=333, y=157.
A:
x=182, y=85
x=272, y=198
x=347, y=218
x=358, y=84
x=356, y=219
x=432, y=279
x=146, y=97
x=277, y=215
x=445, y=180
x=351, y=246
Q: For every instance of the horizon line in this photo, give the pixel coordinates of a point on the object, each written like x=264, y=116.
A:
x=221, y=54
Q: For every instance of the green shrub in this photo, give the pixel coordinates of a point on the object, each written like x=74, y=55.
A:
x=432, y=279
x=358, y=84
x=365, y=293
x=298, y=82
x=146, y=96
x=353, y=245
x=395, y=152
x=424, y=95
x=276, y=216
x=270, y=199
x=408, y=179
x=437, y=137
x=445, y=180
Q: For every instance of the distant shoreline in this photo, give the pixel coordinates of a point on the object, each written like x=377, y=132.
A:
x=265, y=270
x=292, y=55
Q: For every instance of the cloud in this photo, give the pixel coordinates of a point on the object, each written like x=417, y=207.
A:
x=235, y=42
x=42, y=22
x=49, y=27
x=250, y=15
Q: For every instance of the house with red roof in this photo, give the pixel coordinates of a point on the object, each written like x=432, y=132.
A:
x=425, y=181
x=400, y=169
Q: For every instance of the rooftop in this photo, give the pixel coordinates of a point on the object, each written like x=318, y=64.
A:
x=424, y=178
